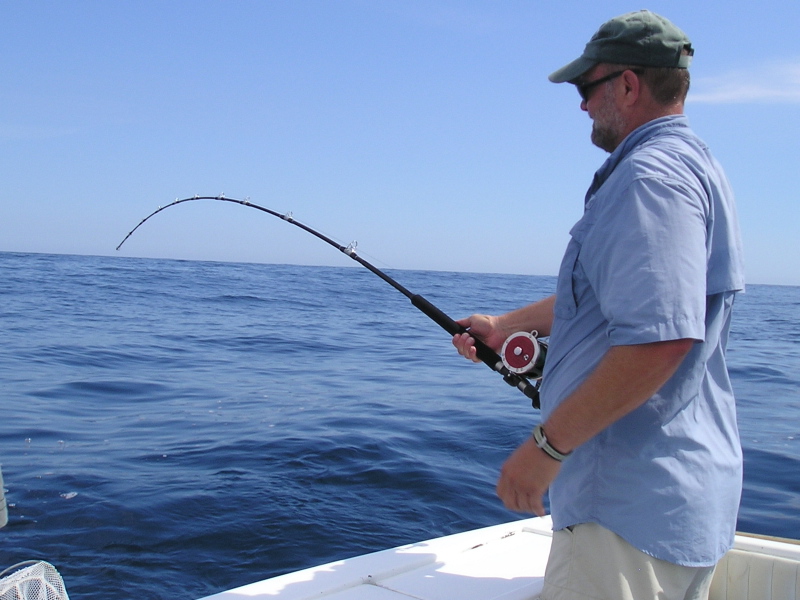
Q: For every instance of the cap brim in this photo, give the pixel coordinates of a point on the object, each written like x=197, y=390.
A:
x=573, y=70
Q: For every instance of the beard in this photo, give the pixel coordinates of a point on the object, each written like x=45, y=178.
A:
x=607, y=125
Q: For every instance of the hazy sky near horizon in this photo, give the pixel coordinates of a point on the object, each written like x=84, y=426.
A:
x=426, y=131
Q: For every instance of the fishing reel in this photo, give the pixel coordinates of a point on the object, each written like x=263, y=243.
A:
x=523, y=353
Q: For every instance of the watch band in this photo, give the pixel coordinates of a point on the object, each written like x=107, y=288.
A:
x=541, y=441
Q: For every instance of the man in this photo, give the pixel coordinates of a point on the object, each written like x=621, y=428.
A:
x=638, y=443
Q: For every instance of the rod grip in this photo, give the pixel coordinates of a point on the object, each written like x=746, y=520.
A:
x=485, y=354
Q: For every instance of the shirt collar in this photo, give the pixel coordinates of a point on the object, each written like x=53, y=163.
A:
x=635, y=138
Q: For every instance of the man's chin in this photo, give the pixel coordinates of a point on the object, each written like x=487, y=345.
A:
x=603, y=140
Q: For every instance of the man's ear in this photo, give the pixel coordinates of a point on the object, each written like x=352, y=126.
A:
x=633, y=87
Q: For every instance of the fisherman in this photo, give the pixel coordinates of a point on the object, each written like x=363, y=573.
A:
x=638, y=443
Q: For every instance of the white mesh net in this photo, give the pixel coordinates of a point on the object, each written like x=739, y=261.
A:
x=39, y=581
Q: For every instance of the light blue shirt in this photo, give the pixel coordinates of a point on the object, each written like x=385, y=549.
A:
x=655, y=257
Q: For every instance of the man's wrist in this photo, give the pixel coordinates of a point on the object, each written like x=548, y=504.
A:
x=540, y=438
x=501, y=327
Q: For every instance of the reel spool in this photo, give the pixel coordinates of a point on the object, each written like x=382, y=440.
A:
x=524, y=354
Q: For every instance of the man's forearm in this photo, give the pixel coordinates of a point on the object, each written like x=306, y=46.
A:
x=624, y=380
x=537, y=316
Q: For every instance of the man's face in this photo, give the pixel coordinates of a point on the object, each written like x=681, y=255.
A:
x=608, y=125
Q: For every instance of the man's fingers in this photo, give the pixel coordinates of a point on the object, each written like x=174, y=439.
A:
x=465, y=344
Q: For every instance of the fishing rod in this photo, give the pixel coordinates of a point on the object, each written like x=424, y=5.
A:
x=523, y=353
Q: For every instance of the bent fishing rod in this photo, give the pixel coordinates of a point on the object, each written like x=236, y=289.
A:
x=523, y=353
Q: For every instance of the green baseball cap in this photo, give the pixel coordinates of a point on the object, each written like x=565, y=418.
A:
x=638, y=38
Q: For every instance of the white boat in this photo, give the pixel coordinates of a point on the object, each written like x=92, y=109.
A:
x=505, y=562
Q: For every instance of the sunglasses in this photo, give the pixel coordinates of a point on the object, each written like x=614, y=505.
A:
x=584, y=89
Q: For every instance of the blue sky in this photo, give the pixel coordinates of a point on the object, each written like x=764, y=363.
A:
x=427, y=131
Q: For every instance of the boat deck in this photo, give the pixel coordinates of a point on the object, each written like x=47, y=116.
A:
x=505, y=562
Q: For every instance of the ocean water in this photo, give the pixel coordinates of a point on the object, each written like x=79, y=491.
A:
x=170, y=429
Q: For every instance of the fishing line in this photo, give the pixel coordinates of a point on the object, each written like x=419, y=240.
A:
x=523, y=353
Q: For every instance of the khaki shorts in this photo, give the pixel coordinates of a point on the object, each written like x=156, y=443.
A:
x=589, y=562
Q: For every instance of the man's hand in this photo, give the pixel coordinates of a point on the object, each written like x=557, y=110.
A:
x=493, y=331
x=525, y=477
x=484, y=327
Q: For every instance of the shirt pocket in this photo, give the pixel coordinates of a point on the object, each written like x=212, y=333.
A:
x=566, y=306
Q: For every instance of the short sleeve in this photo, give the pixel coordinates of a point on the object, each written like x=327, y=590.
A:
x=646, y=260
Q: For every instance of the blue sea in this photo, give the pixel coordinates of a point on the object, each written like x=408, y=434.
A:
x=170, y=429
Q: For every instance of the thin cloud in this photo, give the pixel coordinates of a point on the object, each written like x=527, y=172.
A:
x=773, y=84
